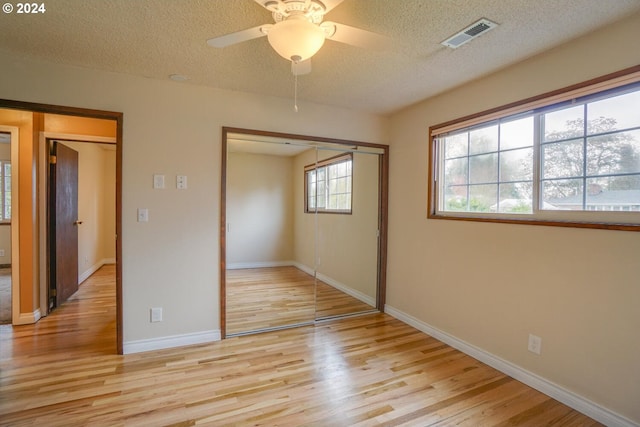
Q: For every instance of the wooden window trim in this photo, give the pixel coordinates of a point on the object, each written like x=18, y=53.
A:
x=553, y=98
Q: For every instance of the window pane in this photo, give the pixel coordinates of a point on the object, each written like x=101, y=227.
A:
x=5, y=191
x=516, y=165
x=581, y=155
x=456, y=202
x=329, y=187
x=562, y=194
x=456, y=145
x=483, y=168
x=614, y=153
x=516, y=133
x=563, y=159
x=342, y=201
x=618, y=112
x=620, y=193
x=333, y=186
x=482, y=197
x=320, y=196
x=483, y=140
x=311, y=190
x=515, y=198
x=455, y=171
x=564, y=124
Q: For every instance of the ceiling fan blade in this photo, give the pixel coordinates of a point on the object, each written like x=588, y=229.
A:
x=301, y=68
x=330, y=4
x=239, y=36
x=355, y=36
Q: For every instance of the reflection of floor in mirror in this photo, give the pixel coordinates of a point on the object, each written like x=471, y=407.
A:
x=259, y=298
x=5, y=295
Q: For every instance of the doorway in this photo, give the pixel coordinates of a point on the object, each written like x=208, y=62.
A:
x=303, y=229
x=32, y=241
x=80, y=213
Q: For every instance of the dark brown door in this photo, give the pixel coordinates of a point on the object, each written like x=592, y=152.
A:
x=63, y=224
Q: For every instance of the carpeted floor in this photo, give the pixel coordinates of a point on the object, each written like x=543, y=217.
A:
x=5, y=295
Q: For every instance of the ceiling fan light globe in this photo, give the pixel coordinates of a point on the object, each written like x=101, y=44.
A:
x=296, y=39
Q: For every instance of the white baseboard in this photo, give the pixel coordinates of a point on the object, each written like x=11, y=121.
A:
x=338, y=285
x=87, y=273
x=263, y=264
x=27, y=318
x=579, y=403
x=171, y=341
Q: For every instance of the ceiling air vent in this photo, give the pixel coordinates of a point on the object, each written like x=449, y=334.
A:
x=469, y=33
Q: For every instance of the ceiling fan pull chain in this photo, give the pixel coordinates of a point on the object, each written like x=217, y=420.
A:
x=295, y=94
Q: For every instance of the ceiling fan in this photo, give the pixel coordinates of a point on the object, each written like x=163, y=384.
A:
x=299, y=31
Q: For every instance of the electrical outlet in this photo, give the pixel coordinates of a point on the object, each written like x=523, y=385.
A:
x=1, y=252
x=156, y=314
x=535, y=344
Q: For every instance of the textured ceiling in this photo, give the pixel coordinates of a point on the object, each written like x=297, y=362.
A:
x=156, y=38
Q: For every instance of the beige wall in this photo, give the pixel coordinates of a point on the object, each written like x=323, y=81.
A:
x=96, y=206
x=259, y=209
x=492, y=284
x=64, y=124
x=174, y=129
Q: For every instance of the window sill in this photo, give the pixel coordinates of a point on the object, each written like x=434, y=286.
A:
x=511, y=219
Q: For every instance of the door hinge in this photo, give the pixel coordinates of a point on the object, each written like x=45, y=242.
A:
x=54, y=292
x=53, y=160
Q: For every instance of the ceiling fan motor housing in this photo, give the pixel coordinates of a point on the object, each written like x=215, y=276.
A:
x=281, y=10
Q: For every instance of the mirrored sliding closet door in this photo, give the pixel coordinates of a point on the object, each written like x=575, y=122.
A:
x=302, y=222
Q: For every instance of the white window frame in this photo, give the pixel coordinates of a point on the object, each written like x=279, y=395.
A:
x=533, y=106
x=327, y=165
x=4, y=204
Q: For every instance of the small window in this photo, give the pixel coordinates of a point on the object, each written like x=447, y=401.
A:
x=5, y=191
x=565, y=160
x=328, y=185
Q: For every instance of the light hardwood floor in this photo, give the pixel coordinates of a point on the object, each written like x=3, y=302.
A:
x=262, y=298
x=370, y=370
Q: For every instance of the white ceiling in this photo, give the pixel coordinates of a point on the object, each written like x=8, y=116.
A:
x=156, y=38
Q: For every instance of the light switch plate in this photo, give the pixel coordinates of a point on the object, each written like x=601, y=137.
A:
x=156, y=314
x=181, y=182
x=158, y=181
